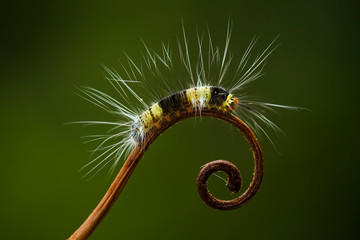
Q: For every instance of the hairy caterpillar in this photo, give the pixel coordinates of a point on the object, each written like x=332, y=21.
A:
x=213, y=86
x=207, y=87
x=197, y=97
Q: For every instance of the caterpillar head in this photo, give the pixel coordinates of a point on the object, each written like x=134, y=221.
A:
x=231, y=102
x=223, y=99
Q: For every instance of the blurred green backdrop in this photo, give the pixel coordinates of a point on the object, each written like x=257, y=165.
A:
x=309, y=190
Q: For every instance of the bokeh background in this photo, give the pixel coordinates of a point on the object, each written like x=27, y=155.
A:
x=310, y=187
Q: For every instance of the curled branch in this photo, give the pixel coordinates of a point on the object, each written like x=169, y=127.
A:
x=234, y=183
x=234, y=177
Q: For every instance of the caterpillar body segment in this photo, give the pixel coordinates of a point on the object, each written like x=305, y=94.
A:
x=192, y=98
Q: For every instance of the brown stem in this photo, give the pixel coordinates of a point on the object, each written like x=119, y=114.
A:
x=234, y=182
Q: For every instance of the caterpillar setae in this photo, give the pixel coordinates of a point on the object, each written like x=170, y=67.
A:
x=205, y=82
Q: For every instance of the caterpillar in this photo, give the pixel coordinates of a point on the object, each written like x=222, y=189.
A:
x=208, y=83
x=202, y=97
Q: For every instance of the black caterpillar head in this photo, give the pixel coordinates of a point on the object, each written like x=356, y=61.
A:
x=218, y=96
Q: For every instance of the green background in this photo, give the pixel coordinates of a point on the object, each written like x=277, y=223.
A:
x=309, y=190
